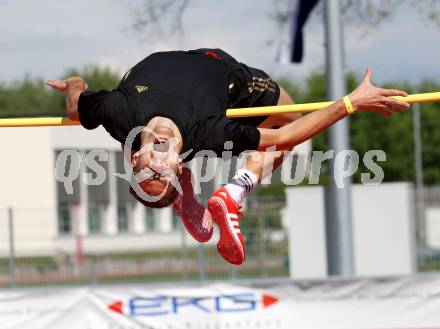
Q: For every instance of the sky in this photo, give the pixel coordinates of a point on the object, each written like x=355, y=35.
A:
x=44, y=38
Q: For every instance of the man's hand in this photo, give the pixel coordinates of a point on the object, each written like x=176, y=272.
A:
x=73, y=87
x=365, y=97
x=60, y=85
x=63, y=85
x=370, y=98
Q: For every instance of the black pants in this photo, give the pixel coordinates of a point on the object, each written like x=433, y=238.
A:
x=248, y=86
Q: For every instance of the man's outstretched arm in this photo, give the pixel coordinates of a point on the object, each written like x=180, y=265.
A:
x=73, y=87
x=365, y=97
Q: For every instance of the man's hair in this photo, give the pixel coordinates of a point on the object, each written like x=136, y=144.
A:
x=162, y=203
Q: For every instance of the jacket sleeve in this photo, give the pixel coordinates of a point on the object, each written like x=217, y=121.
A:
x=92, y=108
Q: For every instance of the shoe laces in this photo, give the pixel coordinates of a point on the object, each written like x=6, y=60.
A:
x=240, y=213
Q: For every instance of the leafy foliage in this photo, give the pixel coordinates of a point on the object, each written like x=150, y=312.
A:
x=29, y=98
x=370, y=131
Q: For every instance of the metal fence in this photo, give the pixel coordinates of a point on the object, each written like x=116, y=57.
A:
x=35, y=251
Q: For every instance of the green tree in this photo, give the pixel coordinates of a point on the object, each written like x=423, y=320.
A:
x=370, y=131
x=430, y=123
x=29, y=97
x=25, y=98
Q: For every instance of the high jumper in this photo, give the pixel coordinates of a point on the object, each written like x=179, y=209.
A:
x=179, y=101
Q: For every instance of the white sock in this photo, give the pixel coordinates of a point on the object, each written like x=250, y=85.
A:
x=241, y=184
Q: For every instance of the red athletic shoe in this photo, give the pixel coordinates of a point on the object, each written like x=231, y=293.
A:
x=195, y=217
x=226, y=213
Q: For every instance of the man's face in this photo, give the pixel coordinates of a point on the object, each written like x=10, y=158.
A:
x=157, y=166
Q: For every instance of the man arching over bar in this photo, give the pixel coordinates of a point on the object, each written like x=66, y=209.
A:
x=179, y=101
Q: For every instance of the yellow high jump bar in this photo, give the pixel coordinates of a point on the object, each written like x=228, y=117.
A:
x=231, y=113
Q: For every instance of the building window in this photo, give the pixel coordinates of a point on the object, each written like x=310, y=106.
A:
x=176, y=221
x=95, y=219
x=151, y=219
x=64, y=219
x=123, y=218
x=66, y=201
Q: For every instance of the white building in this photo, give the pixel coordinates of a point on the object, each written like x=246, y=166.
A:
x=47, y=220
